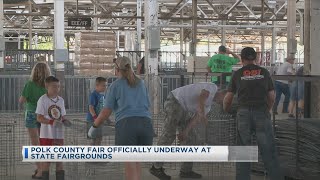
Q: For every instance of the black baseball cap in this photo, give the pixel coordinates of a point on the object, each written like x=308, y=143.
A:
x=222, y=48
x=248, y=53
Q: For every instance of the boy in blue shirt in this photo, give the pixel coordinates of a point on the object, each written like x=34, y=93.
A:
x=96, y=104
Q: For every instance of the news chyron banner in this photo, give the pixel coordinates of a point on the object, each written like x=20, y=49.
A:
x=140, y=153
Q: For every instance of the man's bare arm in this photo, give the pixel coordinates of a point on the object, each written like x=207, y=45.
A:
x=198, y=117
x=227, y=101
x=103, y=115
x=233, y=54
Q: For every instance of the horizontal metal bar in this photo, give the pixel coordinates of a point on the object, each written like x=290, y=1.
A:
x=142, y=17
x=295, y=78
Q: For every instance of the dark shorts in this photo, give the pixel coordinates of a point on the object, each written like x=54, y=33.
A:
x=31, y=120
x=134, y=131
x=50, y=142
x=99, y=130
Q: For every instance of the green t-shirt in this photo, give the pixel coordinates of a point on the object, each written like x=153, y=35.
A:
x=221, y=63
x=32, y=92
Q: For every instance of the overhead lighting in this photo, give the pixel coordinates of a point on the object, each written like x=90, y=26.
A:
x=263, y=24
x=214, y=23
x=125, y=10
x=87, y=11
x=272, y=4
x=164, y=9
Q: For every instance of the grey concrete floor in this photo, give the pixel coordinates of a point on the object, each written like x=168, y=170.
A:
x=24, y=172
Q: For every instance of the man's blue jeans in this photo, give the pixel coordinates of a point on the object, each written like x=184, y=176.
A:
x=281, y=88
x=257, y=121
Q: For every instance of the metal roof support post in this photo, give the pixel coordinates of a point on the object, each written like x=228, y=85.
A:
x=95, y=19
x=263, y=48
x=152, y=46
x=274, y=41
x=291, y=29
x=181, y=42
x=307, y=37
x=194, y=27
x=30, y=25
x=60, y=52
x=2, y=44
x=223, y=33
x=315, y=56
x=139, y=32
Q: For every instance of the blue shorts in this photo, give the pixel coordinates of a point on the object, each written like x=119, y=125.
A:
x=297, y=91
x=31, y=120
x=134, y=131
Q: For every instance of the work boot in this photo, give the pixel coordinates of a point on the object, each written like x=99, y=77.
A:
x=45, y=175
x=60, y=175
x=159, y=173
x=191, y=175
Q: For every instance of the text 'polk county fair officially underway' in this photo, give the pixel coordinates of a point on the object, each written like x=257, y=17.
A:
x=130, y=153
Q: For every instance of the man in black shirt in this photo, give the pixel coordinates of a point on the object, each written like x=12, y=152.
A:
x=255, y=90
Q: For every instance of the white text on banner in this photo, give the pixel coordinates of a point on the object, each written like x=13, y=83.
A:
x=125, y=153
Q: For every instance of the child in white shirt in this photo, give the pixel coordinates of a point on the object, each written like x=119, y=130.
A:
x=51, y=114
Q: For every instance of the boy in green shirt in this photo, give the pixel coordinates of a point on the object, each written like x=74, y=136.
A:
x=222, y=63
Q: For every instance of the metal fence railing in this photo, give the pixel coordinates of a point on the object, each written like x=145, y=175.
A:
x=10, y=91
x=77, y=88
x=22, y=60
x=135, y=56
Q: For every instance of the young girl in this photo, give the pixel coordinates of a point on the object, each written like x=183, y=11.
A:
x=31, y=93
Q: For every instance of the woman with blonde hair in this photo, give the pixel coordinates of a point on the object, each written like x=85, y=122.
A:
x=30, y=95
x=128, y=98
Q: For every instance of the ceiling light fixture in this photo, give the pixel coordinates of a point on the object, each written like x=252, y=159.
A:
x=125, y=10
x=164, y=9
x=272, y=4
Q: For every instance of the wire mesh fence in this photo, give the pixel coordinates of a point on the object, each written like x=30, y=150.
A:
x=10, y=91
x=298, y=144
x=77, y=89
x=221, y=130
x=77, y=135
x=7, y=156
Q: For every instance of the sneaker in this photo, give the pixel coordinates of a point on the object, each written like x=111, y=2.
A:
x=291, y=116
x=191, y=174
x=159, y=173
